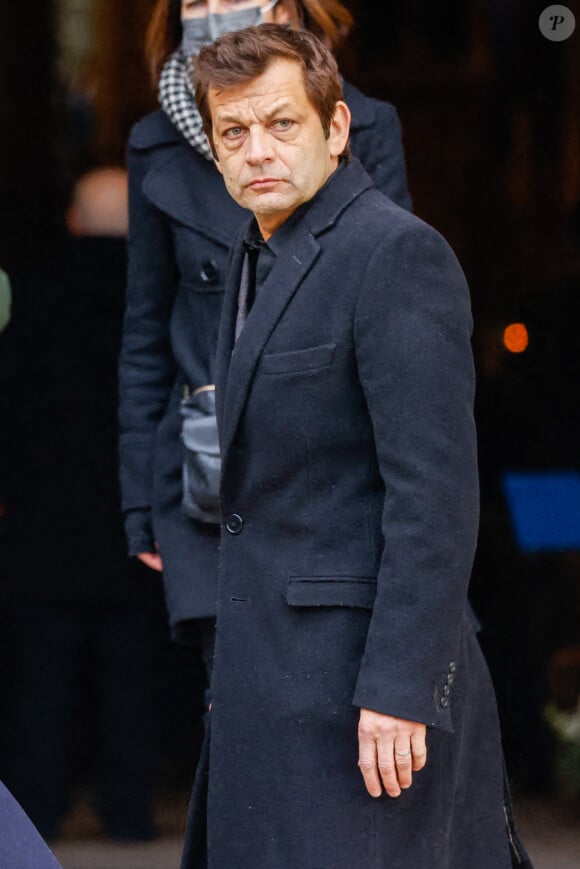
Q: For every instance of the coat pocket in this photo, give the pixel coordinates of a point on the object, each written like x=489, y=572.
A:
x=347, y=591
x=297, y=360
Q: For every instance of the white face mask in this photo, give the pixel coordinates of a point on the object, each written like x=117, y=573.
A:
x=198, y=32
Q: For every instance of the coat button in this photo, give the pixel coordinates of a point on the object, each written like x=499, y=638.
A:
x=444, y=702
x=452, y=667
x=450, y=679
x=447, y=690
x=234, y=524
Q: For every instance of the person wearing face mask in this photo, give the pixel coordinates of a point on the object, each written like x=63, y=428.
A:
x=200, y=31
x=182, y=223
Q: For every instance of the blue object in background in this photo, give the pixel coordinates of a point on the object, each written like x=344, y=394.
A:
x=545, y=509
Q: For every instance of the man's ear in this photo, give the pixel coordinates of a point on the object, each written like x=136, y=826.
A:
x=339, y=129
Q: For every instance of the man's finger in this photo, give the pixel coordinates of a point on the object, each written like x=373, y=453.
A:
x=419, y=749
x=404, y=762
x=387, y=767
x=367, y=761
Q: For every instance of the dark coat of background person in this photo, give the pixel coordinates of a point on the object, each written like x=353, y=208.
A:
x=182, y=223
x=350, y=503
x=83, y=619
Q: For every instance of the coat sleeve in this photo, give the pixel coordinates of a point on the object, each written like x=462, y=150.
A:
x=412, y=338
x=147, y=368
x=379, y=147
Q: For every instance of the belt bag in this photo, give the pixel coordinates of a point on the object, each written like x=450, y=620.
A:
x=201, y=462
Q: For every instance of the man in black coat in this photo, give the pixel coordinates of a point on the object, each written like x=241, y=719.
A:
x=349, y=494
x=182, y=224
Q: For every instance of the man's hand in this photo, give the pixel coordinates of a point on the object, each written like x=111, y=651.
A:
x=390, y=750
x=151, y=559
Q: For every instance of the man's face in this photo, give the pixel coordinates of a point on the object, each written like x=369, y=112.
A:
x=270, y=144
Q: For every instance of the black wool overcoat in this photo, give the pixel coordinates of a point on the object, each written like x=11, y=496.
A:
x=350, y=502
x=182, y=224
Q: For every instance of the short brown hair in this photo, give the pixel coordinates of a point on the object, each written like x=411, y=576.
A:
x=327, y=19
x=238, y=57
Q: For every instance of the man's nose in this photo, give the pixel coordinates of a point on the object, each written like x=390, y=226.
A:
x=258, y=145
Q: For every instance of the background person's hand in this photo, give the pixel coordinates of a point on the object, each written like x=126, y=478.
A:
x=390, y=751
x=151, y=559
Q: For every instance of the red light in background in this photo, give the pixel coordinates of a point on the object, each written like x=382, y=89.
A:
x=516, y=338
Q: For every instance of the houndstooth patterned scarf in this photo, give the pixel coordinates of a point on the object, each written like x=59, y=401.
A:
x=178, y=102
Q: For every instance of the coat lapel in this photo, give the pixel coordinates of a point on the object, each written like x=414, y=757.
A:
x=178, y=184
x=226, y=338
x=236, y=364
x=282, y=282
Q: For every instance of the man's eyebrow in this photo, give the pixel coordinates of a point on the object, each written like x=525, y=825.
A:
x=282, y=106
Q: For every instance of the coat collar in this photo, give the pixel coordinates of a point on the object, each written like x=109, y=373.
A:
x=188, y=188
x=153, y=130
x=236, y=365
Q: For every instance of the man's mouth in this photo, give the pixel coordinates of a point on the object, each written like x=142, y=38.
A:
x=263, y=183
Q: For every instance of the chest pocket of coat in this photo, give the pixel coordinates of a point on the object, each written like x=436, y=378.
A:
x=294, y=361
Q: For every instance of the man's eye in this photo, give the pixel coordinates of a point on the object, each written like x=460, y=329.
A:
x=233, y=133
x=282, y=124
